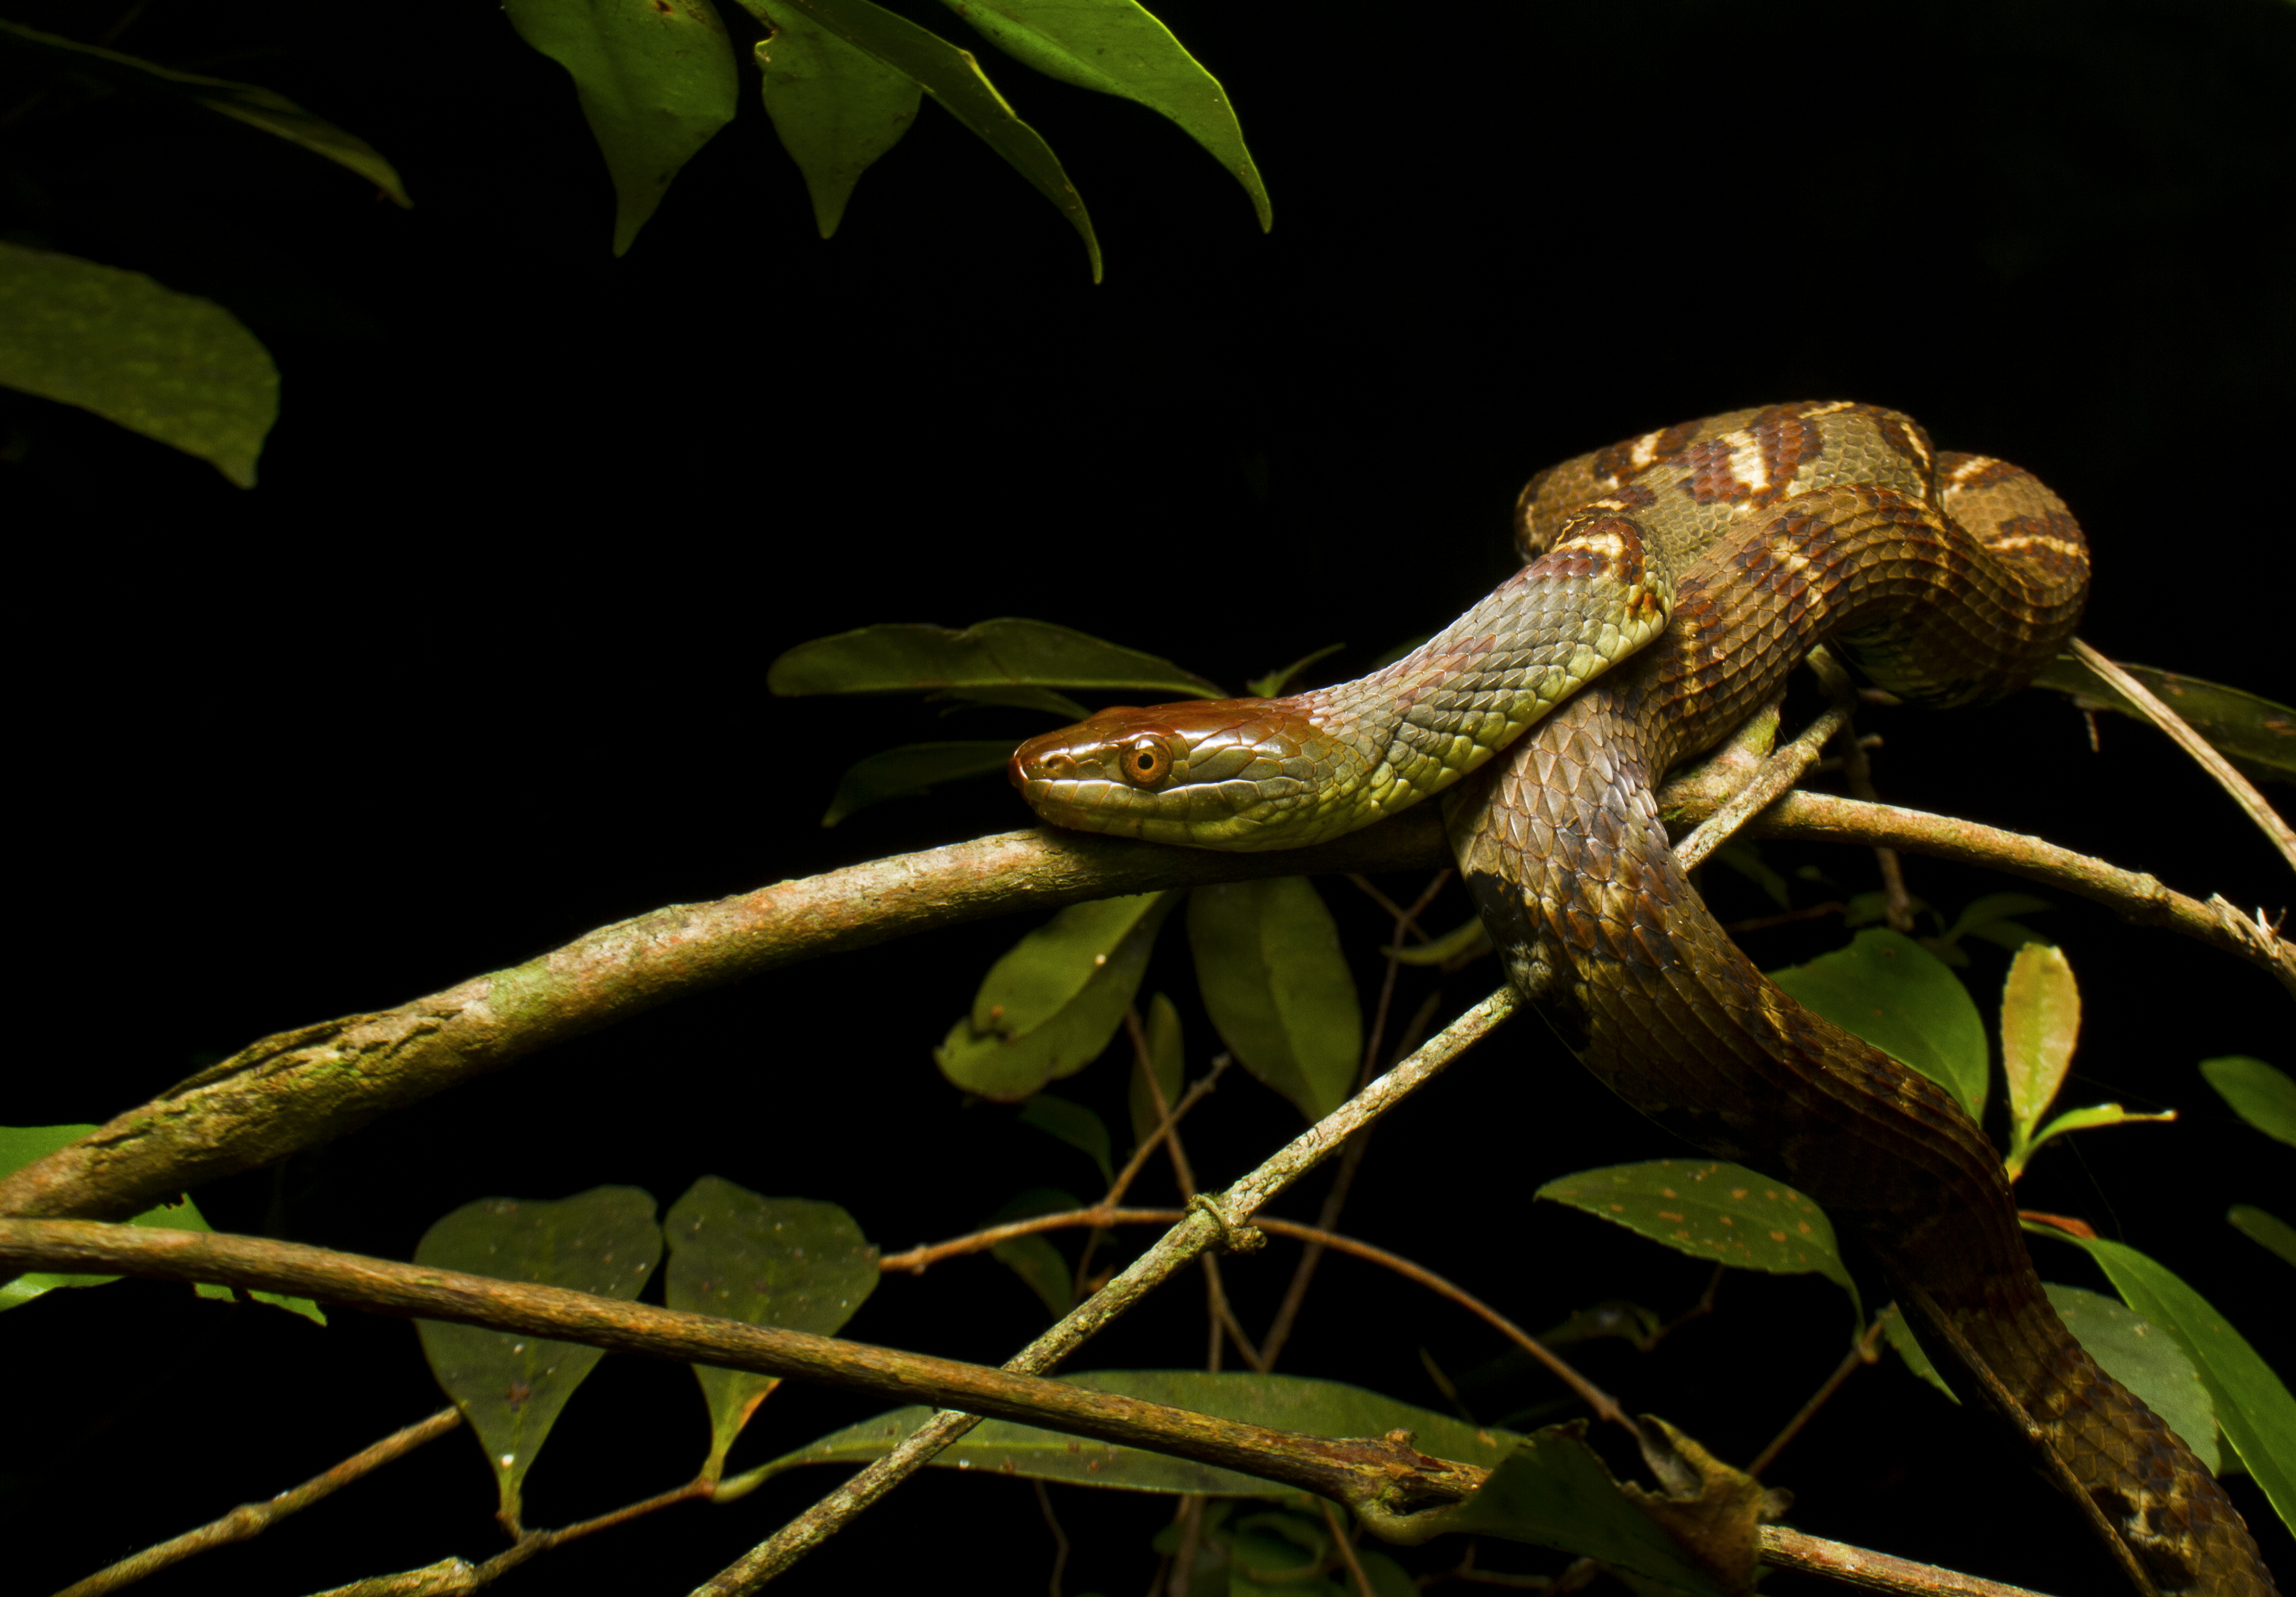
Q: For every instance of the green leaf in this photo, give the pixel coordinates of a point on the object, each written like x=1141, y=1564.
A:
x=910, y=658
x=1321, y=1408
x=1273, y=684
x=1050, y=1005
x=2084, y=1119
x=2253, y=1408
x=2143, y=1359
x=2259, y=1094
x=174, y=367
x=953, y=76
x=835, y=107
x=1746, y=860
x=1269, y=967
x=655, y=80
x=788, y=1262
x=1073, y=1124
x=509, y=1387
x=2255, y=733
x=2040, y=1019
x=1713, y=1210
x=1897, y=995
x=1991, y=909
x=1453, y=949
x=1034, y=1258
x=2268, y=1230
x=1170, y=1062
x=244, y=103
x=1900, y=1335
x=912, y=769
x=955, y=700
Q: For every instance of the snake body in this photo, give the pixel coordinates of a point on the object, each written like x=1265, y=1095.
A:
x=1673, y=582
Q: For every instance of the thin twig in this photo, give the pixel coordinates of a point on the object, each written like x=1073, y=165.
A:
x=2242, y=791
x=1897, y=904
x=253, y=1518
x=1776, y=774
x=1347, y=1551
x=1864, y=1351
x=1060, y=1536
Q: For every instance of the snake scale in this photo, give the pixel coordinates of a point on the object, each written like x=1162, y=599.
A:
x=1673, y=581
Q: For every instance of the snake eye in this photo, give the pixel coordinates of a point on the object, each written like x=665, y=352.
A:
x=1147, y=761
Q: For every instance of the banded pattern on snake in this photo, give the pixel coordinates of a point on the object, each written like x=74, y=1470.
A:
x=1673, y=582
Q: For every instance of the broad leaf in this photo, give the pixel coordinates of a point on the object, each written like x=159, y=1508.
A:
x=509, y=1386
x=909, y=658
x=1166, y=1057
x=174, y=367
x=2254, y=732
x=2148, y=1361
x=836, y=107
x=953, y=76
x=1073, y=1124
x=1709, y=1209
x=788, y=1262
x=244, y=103
x=1897, y=995
x=2253, y=1408
x=1271, y=972
x=1322, y=1408
x=2267, y=1230
x=912, y=769
x=2259, y=1094
x=1116, y=48
x=1050, y=1005
x=655, y=78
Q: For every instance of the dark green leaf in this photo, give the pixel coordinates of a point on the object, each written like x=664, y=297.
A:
x=910, y=658
x=1169, y=1062
x=1020, y=698
x=836, y=107
x=1033, y=1258
x=2143, y=1359
x=1901, y=1337
x=1274, y=681
x=2254, y=732
x=2268, y=1230
x=1889, y=990
x=1270, y=969
x=1453, y=949
x=952, y=77
x=788, y=1261
x=912, y=769
x=1712, y=1210
x=245, y=103
x=1322, y=1408
x=171, y=366
x=1073, y=1124
x=509, y=1387
x=2253, y=1408
x=1050, y=1005
x=2259, y=1094
x=655, y=78
x=2012, y=935
x=1746, y=860
x=1116, y=48
x=1986, y=911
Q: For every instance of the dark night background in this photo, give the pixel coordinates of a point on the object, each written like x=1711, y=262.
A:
x=480, y=665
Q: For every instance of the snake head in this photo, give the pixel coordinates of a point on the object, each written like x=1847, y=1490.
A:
x=1240, y=773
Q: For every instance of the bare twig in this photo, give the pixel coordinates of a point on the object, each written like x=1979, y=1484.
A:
x=1347, y=1551
x=1785, y=1548
x=253, y=1518
x=1897, y=904
x=1772, y=778
x=1060, y=1536
x=2242, y=791
x=1865, y=1350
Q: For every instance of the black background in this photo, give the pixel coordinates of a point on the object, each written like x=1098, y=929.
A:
x=480, y=665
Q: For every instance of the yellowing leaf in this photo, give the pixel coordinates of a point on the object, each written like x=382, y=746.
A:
x=2040, y=1019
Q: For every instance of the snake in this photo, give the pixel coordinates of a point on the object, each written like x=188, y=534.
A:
x=1670, y=584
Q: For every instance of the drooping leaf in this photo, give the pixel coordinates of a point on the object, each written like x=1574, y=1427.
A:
x=655, y=80
x=509, y=1387
x=1274, y=682
x=1713, y=1210
x=1050, y=1005
x=1073, y=1124
x=911, y=658
x=1992, y=910
x=788, y=1261
x=1033, y=1258
x=836, y=107
x=1169, y=1061
x=1322, y=1408
x=1270, y=966
x=1900, y=1335
x=2145, y=1360
x=2253, y=1407
x=953, y=76
x=2259, y=1094
x=911, y=769
x=2254, y=732
x=245, y=103
x=1115, y=47
x=2267, y=1230
x=1897, y=995
x=174, y=367
x=1746, y=860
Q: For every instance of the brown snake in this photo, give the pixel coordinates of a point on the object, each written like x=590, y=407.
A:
x=1675, y=581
